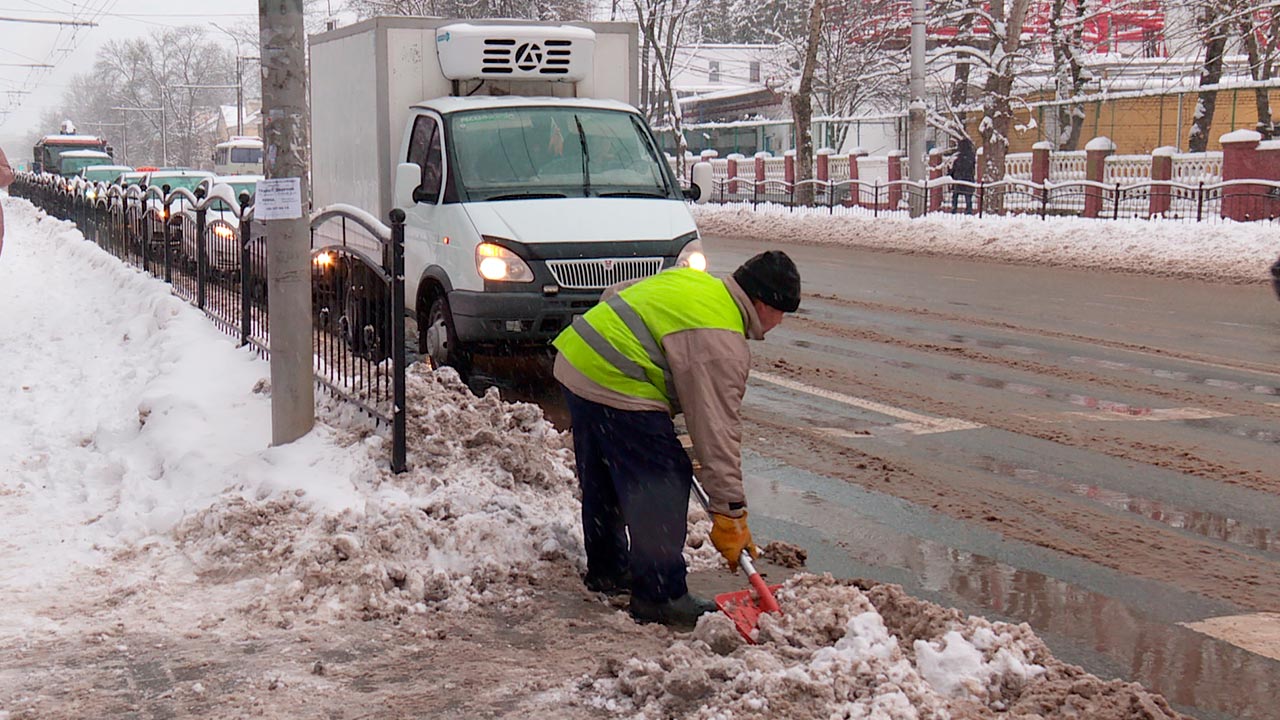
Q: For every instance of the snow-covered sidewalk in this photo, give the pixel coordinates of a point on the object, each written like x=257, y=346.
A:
x=1226, y=252
x=160, y=559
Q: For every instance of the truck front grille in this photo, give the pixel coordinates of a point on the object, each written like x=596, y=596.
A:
x=600, y=273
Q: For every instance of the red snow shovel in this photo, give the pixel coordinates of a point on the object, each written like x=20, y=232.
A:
x=743, y=607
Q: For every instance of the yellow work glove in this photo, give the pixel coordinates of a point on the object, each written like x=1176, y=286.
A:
x=731, y=536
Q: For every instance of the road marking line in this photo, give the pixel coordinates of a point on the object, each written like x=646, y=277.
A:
x=1233, y=324
x=914, y=423
x=1155, y=414
x=1129, y=297
x=961, y=279
x=1258, y=633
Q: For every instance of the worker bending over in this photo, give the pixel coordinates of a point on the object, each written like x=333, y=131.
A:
x=673, y=342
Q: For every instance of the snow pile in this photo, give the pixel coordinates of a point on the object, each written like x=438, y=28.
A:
x=489, y=497
x=843, y=651
x=1231, y=252
x=489, y=501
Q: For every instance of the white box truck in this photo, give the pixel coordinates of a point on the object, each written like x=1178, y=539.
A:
x=529, y=180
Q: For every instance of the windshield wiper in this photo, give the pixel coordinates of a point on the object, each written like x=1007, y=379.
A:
x=635, y=193
x=586, y=159
x=525, y=196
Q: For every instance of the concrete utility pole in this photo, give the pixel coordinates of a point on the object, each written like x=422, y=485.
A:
x=285, y=145
x=916, y=110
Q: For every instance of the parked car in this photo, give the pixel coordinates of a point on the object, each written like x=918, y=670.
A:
x=126, y=179
x=96, y=175
x=173, y=179
x=222, y=225
x=104, y=173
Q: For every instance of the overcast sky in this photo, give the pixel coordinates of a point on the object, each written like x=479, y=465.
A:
x=72, y=50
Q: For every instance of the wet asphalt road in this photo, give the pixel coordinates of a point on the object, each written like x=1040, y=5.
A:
x=1097, y=455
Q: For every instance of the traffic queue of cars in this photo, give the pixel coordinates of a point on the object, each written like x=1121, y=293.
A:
x=222, y=219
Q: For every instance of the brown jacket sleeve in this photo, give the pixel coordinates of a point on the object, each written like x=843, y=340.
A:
x=710, y=369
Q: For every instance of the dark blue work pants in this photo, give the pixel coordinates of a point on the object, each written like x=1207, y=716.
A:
x=635, y=480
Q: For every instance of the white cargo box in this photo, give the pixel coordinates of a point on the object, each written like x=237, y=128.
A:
x=365, y=77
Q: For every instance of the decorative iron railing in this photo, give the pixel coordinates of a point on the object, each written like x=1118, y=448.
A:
x=209, y=249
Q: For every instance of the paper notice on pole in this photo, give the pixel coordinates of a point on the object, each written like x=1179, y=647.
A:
x=278, y=199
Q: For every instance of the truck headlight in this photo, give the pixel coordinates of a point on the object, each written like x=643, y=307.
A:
x=498, y=263
x=691, y=256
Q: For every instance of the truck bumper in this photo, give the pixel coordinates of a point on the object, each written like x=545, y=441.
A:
x=516, y=318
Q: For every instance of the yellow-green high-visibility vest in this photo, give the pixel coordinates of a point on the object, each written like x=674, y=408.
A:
x=618, y=343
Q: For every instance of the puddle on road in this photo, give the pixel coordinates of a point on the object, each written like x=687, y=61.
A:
x=1206, y=677
x=1207, y=524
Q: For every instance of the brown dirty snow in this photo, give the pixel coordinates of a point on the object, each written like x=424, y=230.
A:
x=785, y=554
x=858, y=650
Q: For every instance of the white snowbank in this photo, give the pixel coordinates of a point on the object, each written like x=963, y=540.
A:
x=1228, y=252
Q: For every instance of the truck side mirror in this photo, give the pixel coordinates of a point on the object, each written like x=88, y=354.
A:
x=408, y=177
x=702, y=179
x=693, y=192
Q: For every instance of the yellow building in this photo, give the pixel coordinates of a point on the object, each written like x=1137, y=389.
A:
x=1139, y=125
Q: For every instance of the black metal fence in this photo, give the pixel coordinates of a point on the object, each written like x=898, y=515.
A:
x=215, y=256
x=1232, y=200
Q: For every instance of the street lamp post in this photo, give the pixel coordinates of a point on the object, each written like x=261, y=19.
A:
x=124, y=131
x=164, y=133
x=239, y=79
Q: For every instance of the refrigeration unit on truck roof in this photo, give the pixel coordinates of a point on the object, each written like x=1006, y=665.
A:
x=515, y=52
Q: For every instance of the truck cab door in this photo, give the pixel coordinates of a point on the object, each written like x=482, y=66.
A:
x=428, y=218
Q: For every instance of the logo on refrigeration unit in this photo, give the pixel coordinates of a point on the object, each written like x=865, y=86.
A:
x=528, y=56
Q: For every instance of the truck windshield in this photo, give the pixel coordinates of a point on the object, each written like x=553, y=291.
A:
x=508, y=153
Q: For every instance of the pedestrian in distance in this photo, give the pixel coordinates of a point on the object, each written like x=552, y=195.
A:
x=6, y=178
x=676, y=341
x=964, y=165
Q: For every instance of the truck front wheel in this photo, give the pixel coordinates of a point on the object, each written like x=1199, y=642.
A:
x=439, y=341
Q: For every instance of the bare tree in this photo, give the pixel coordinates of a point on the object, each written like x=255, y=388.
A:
x=1261, y=32
x=146, y=74
x=802, y=107
x=663, y=24
x=1210, y=22
x=1066, y=28
x=528, y=9
x=1007, y=18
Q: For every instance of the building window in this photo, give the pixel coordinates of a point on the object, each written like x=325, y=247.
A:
x=755, y=71
x=714, y=74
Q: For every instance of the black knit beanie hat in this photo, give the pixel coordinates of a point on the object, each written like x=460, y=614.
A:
x=771, y=278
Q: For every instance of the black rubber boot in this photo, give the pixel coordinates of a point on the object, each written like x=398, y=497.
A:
x=683, y=612
x=611, y=586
